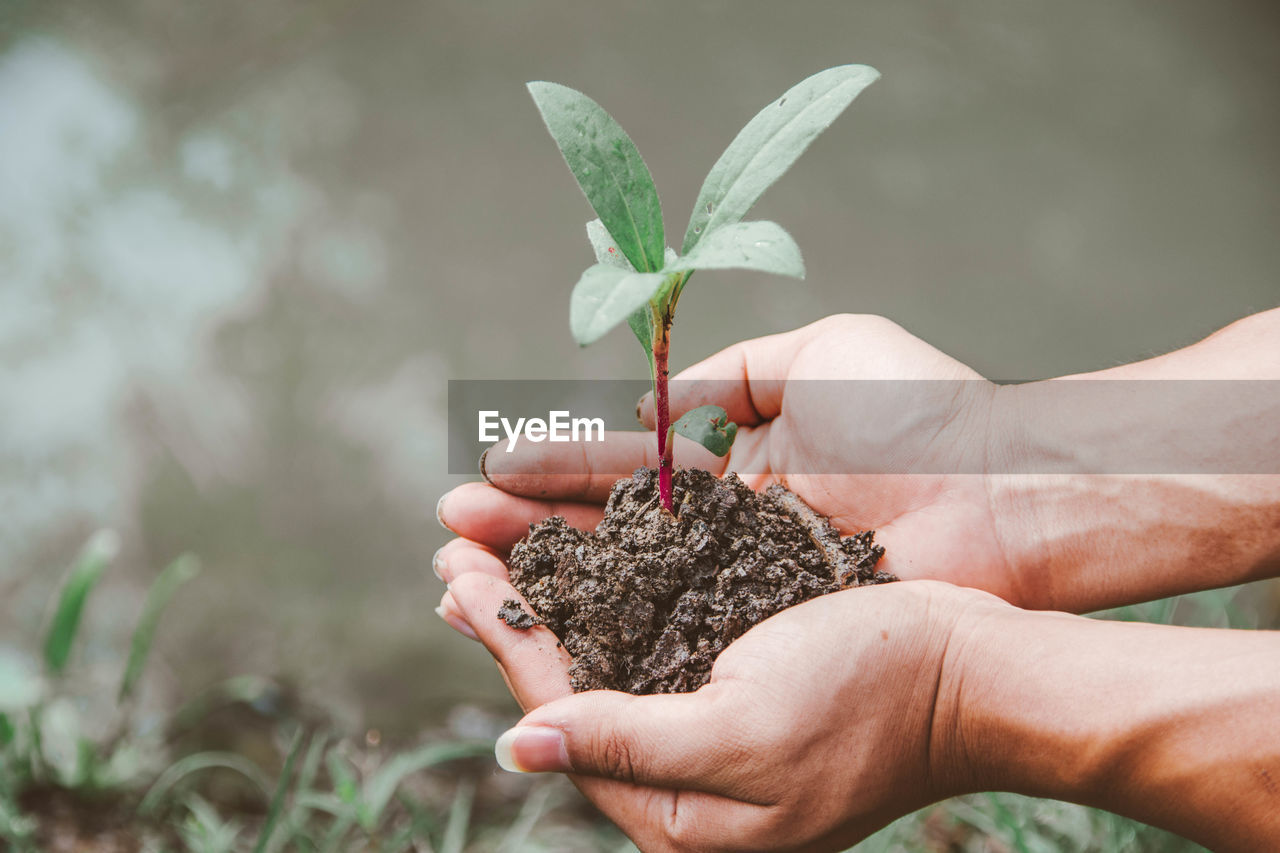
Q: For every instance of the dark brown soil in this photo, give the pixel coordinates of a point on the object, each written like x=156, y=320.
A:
x=646, y=602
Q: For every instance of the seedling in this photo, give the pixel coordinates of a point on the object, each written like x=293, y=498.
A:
x=637, y=277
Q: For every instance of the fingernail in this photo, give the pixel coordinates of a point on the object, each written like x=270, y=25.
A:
x=440, y=510
x=439, y=564
x=459, y=625
x=484, y=473
x=532, y=749
x=639, y=404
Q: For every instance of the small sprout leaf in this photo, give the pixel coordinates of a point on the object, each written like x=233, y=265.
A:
x=770, y=143
x=609, y=170
x=762, y=246
x=606, y=248
x=641, y=319
x=709, y=426
x=605, y=296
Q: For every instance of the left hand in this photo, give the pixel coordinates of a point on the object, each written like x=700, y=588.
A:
x=819, y=725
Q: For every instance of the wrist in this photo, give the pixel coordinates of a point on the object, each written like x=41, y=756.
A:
x=1001, y=729
x=1027, y=504
x=1170, y=726
x=959, y=763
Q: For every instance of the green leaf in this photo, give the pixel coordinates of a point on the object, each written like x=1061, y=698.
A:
x=93, y=560
x=343, y=777
x=605, y=247
x=162, y=589
x=770, y=143
x=641, y=319
x=609, y=170
x=709, y=426
x=762, y=246
x=641, y=323
x=605, y=296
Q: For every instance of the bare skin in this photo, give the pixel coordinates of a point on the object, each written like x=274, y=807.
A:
x=933, y=690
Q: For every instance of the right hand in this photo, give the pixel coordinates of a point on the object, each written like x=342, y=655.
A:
x=936, y=526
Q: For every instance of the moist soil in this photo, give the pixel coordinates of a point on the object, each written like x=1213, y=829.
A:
x=647, y=602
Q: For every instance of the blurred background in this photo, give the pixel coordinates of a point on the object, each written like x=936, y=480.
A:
x=243, y=245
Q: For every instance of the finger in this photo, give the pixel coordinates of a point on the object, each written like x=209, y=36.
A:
x=663, y=819
x=585, y=471
x=454, y=617
x=746, y=380
x=536, y=669
x=455, y=557
x=460, y=556
x=490, y=516
x=535, y=663
x=687, y=741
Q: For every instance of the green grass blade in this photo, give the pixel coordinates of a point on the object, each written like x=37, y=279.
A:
x=605, y=296
x=531, y=810
x=196, y=763
x=92, y=562
x=282, y=788
x=311, y=763
x=609, y=170
x=770, y=143
x=382, y=785
x=162, y=589
x=762, y=246
x=455, y=831
x=338, y=832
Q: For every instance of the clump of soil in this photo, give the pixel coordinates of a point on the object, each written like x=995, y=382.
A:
x=646, y=602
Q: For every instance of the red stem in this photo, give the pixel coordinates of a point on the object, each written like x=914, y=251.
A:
x=663, y=410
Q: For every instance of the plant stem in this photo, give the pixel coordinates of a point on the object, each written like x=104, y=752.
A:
x=662, y=406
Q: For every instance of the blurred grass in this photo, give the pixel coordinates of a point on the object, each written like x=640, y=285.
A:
x=54, y=772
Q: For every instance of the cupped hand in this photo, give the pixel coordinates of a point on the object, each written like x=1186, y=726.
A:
x=853, y=451
x=819, y=725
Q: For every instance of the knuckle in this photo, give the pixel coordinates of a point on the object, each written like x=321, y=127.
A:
x=681, y=828
x=616, y=757
x=857, y=323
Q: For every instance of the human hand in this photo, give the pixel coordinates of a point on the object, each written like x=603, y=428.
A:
x=818, y=726
x=933, y=525
x=831, y=718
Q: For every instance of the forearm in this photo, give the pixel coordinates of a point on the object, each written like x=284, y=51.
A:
x=1172, y=726
x=1111, y=492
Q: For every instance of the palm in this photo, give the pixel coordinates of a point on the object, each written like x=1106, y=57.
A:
x=881, y=452
x=817, y=414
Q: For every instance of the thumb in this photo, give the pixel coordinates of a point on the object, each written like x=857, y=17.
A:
x=747, y=380
x=682, y=740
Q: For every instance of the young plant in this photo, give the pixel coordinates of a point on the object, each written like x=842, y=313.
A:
x=637, y=277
